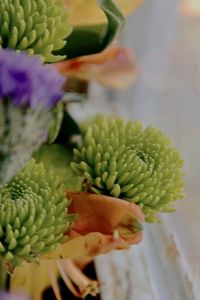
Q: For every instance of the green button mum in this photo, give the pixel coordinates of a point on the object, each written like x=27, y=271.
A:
x=123, y=160
x=33, y=214
x=35, y=26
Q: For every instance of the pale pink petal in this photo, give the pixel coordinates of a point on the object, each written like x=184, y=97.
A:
x=114, y=67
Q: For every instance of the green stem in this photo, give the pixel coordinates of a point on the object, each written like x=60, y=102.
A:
x=4, y=277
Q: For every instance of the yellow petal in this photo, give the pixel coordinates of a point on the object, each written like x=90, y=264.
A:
x=88, y=12
x=128, y=6
x=32, y=279
x=89, y=245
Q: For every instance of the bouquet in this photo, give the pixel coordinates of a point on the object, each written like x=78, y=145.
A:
x=69, y=189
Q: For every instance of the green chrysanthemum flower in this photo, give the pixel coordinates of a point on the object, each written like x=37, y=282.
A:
x=38, y=27
x=123, y=160
x=33, y=214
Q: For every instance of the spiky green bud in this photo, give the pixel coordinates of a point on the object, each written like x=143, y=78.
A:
x=123, y=160
x=33, y=214
x=38, y=27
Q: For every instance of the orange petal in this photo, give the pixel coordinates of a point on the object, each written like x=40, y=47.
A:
x=190, y=7
x=113, y=67
x=99, y=213
x=103, y=224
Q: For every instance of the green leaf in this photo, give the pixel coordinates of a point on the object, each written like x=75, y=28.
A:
x=91, y=39
x=54, y=129
x=116, y=20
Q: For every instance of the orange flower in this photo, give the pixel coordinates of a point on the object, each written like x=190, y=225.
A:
x=113, y=67
x=118, y=221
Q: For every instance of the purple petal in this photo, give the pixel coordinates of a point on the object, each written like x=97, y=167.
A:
x=10, y=296
x=26, y=81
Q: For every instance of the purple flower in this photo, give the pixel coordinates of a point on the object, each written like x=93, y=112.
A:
x=26, y=81
x=9, y=296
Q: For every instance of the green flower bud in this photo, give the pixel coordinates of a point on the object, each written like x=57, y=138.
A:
x=123, y=160
x=38, y=27
x=33, y=214
x=58, y=158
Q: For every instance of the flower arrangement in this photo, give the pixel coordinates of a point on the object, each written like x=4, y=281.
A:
x=71, y=190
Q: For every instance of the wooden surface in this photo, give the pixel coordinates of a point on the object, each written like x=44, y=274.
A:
x=166, y=266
